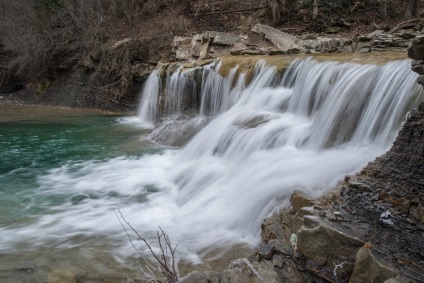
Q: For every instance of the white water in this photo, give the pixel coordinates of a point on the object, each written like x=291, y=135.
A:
x=320, y=123
x=147, y=111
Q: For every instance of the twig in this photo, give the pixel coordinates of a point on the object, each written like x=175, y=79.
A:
x=335, y=269
x=171, y=273
x=411, y=20
x=126, y=232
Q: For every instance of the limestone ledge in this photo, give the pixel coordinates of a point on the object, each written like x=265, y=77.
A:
x=265, y=40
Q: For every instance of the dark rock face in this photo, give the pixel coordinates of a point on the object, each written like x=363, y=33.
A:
x=390, y=215
x=76, y=90
x=416, y=51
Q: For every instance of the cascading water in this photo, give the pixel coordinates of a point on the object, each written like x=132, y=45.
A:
x=147, y=111
x=260, y=142
x=306, y=131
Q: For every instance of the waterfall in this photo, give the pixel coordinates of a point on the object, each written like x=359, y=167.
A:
x=249, y=139
x=307, y=130
x=147, y=111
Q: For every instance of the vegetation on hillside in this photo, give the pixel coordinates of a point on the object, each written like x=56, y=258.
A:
x=44, y=38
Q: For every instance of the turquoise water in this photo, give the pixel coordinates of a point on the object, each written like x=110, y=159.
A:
x=32, y=141
x=36, y=142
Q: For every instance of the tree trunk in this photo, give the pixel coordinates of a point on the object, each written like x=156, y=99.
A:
x=188, y=6
x=412, y=8
x=315, y=9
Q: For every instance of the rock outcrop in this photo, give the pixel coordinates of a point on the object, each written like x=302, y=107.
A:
x=266, y=40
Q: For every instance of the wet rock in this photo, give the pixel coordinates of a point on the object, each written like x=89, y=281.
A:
x=370, y=268
x=299, y=200
x=360, y=186
x=271, y=228
x=62, y=276
x=416, y=51
x=278, y=261
x=301, y=213
x=420, y=80
x=280, y=248
x=265, y=251
x=418, y=66
x=241, y=270
x=324, y=242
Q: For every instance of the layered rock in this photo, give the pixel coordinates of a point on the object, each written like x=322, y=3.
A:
x=266, y=40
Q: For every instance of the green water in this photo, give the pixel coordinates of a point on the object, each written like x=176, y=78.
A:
x=34, y=141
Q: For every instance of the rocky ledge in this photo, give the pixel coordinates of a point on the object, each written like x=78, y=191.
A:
x=368, y=229
x=265, y=40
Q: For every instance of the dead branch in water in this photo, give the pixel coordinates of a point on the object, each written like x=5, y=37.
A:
x=166, y=258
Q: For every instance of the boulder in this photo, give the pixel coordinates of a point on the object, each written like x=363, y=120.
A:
x=241, y=270
x=418, y=66
x=181, y=47
x=299, y=200
x=264, y=36
x=420, y=80
x=416, y=51
x=408, y=33
x=326, y=243
x=370, y=268
x=227, y=39
x=213, y=44
x=359, y=185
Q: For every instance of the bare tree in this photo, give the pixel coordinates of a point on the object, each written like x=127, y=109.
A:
x=412, y=8
x=275, y=7
x=315, y=9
